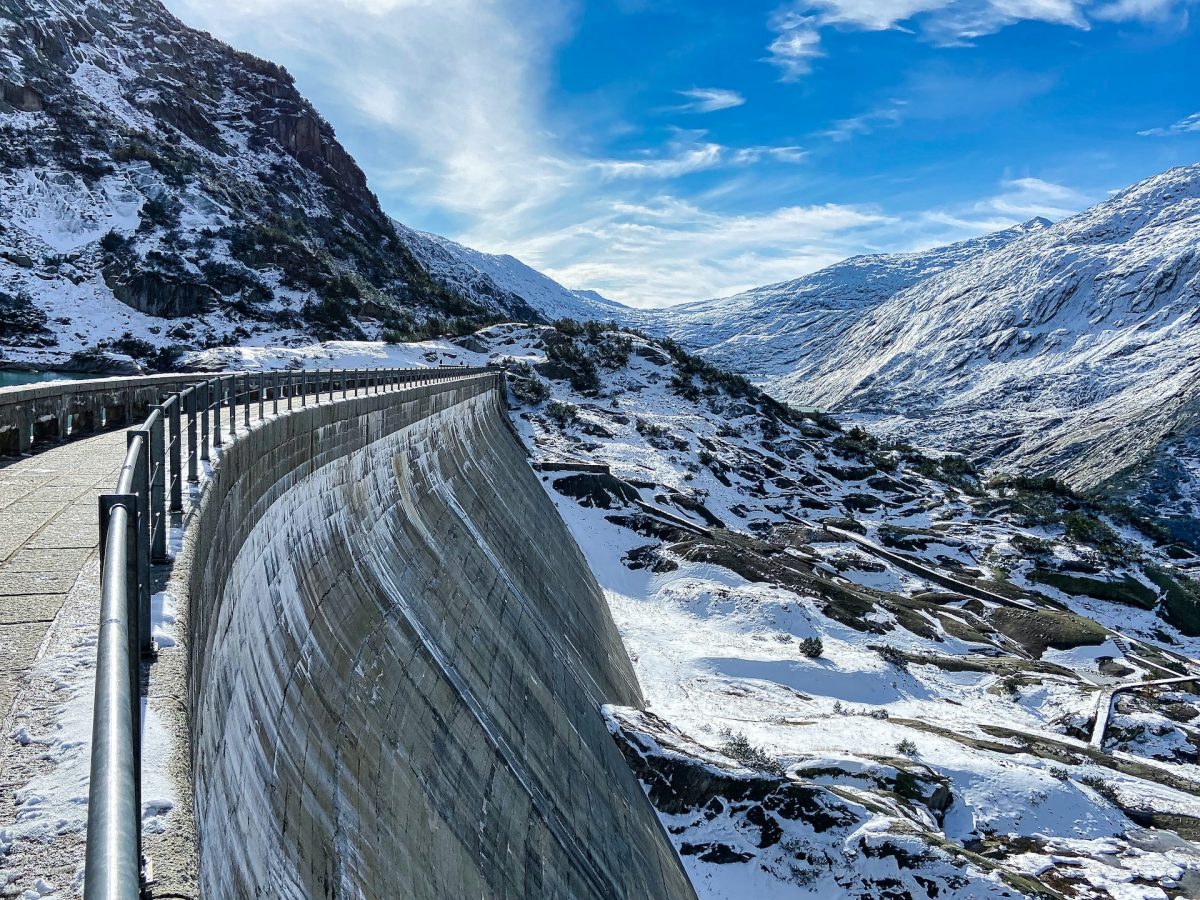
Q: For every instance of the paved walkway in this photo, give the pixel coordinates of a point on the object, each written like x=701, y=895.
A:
x=49, y=588
x=48, y=529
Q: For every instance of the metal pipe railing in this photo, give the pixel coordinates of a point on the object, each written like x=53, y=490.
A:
x=134, y=521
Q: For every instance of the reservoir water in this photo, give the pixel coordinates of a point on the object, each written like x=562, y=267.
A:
x=11, y=379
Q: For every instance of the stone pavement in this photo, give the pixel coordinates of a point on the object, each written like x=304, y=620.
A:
x=49, y=605
x=48, y=530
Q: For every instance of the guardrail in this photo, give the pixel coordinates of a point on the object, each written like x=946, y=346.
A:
x=163, y=453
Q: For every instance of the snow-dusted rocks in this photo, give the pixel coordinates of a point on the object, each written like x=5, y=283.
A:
x=488, y=279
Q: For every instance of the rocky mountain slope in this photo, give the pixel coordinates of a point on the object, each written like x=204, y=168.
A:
x=489, y=279
x=782, y=329
x=161, y=191
x=1073, y=351
x=871, y=672
x=1067, y=350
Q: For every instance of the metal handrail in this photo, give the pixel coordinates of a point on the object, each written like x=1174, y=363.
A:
x=134, y=521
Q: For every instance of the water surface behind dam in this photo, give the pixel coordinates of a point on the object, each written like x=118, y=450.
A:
x=397, y=660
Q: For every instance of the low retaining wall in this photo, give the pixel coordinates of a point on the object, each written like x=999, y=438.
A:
x=397, y=657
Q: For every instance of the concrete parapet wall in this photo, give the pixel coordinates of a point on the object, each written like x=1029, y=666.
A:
x=397, y=658
x=36, y=412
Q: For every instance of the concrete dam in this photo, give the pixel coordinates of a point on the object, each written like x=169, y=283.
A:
x=396, y=658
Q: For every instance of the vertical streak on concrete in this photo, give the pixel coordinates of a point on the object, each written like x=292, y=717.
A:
x=398, y=653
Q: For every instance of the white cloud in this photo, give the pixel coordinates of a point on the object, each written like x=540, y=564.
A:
x=668, y=250
x=705, y=100
x=684, y=161
x=1143, y=10
x=886, y=116
x=1025, y=198
x=797, y=25
x=786, y=154
x=797, y=43
x=1184, y=126
x=687, y=154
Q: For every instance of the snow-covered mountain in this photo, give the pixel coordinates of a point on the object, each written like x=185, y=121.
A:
x=488, y=279
x=1074, y=350
x=161, y=191
x=780, y=329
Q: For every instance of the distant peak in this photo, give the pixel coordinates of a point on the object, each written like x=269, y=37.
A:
x=1037, y=223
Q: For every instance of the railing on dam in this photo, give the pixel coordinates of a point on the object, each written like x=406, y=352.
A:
x=167, y=451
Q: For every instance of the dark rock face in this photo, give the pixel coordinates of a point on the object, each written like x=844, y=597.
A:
x=21, y=97
x=22, y=324
x=596, y=489
x=160, y=295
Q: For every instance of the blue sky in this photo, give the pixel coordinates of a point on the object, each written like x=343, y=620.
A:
x=668, y=150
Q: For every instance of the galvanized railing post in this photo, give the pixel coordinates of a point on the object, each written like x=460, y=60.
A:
x=175, y=455
x=141, y=487
x=113, y=854
x=289, y=390
x=215, y=405
x=246, y=400
x=193, y=395
x=158, y=498
x=343, y=384
x=262, y=393
x=232, y=400
x=274, y=393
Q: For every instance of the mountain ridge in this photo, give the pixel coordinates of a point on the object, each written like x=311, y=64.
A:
x=761, y=332
x=1068, y=350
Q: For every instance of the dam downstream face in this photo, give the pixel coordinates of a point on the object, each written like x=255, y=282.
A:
x=398, y=659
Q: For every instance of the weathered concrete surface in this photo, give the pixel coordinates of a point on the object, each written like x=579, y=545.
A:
x=397, y=654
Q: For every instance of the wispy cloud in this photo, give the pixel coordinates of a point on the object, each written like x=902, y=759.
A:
x=706, y=100
x=669, y=250
x=683, y=162
x=785, y=154
x=886, y=116
x=1027, y=197
x=797, y=25
x=797, y=43
x=687, y=153
x=1143, y=10
x=1184, y=126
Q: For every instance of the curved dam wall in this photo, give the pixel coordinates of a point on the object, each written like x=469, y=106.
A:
x=397, y=659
